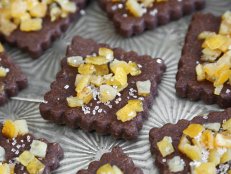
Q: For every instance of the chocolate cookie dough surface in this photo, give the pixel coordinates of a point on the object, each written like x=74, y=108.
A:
x=132, y=17
x=41, y=23
x=102, y=89
x=22, y=153
x=12, y=79
x=113, y=162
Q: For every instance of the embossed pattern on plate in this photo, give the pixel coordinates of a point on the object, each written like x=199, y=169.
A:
x=81, y=148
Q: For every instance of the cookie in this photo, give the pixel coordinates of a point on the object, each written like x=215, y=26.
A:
x=128, y=22
x=187, y=83
x=173, y=133
x=106, y=103
x=12, y=79
x=36, y=42
x=22, y=153
x=115, y=160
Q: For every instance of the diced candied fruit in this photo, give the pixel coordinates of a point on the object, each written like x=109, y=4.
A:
x=218, y=90
x=134, y=69
x=193, y=130
x=2, y=154
x=38, y=148
x=107, y=93
x=98, y=60
x=207, y=139
x=1, y=48
x=3, y=71
x=214, y=157
x=136, y=104
x=213, y=126
x=83, y=82
x=226, y=157
x=5, y=169
x=85, y=95
x=86, y=69
x=18, y=8
x=55, y=12
x=7, y=26
x=126, y=114
x=117, y=170
x=222, y=140
x=206, y=168
x=224, y=76
x=191, y=151
x=135, y=8
x=225, y=27
x=108, y=169
x=75, y=61
x=107, y=53
x=210, y=55
x=39, y=10
x=119, y=63
x=215, y=42
x=74, y=102
x=165, y=146
x=22, y=127
x=206, y=34
x=97, y=80
x=67, y=6
x=35, y=166
x=31, y=24
x=148, y=3
x=25, y=158
x=9, y=129
x=101, y=69
x=176, y=164
x=121, y=76
x=200, y=72
x=227, y=125
x=143, y=87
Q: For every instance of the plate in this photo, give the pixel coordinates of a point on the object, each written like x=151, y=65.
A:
x=80, y=147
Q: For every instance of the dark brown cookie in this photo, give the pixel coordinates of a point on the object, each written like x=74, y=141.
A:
x=35, y=43
x=115, y=157
x=14, y=81
x=56, y=109
x=187, y=85
x=175, y=132
x=14, y=147
x=159, y=14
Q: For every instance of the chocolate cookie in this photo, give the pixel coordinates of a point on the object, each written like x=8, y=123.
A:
x=116, y=158
x=175, y=131
x=97, y=116
x=187, y=85
x=13, y=82
x=36, y=42
x=25, y=143
x=160, y=13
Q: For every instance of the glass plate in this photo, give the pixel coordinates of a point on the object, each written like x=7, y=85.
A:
x=80, y=147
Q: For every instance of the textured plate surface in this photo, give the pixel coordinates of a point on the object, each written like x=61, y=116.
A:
x=81, y=148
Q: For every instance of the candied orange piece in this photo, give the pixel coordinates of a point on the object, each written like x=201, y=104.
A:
x=82, y=82
x=126, y=113
x=215, y=42
x=1, y=48
x=121, y=76
x=101, y=69
x=99, y=60
x=31, y=24
x=222, y=140
x=227, y=125
x=85, y=95
x=86, y=69
x=9, y=129
x=222, y=78
x=191, y=151
x=107, y=53
x=39, y=10
x=35, y=166
x=136, y=104
x=206, y=168
x=193, y=130
x=4, y=168
x=134, y=8
x=74, y=102
x=207, y=139
x=134, y=69
x=107, y=93
x=165, y=146
x=122, y=64
x=226, y=157
x=214, y=157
